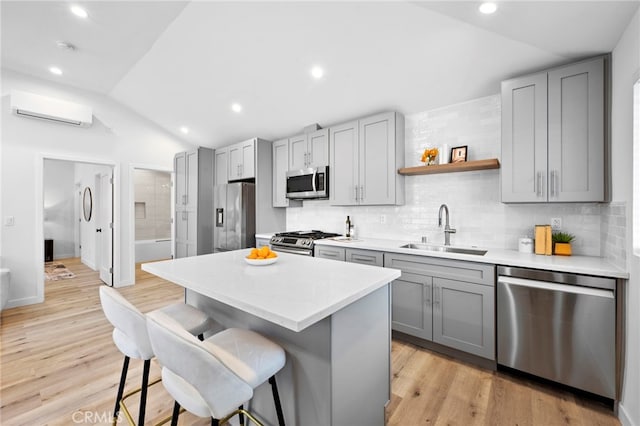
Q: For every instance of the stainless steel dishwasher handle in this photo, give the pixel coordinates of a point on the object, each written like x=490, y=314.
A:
x=565, y=288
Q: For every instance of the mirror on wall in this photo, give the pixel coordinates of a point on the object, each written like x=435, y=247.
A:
x=87, y=204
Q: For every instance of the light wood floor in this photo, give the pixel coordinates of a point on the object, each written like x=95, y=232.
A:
x=59, y=366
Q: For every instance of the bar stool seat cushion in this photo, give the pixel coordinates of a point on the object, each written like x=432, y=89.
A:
x=191, y=319
x=249, y=355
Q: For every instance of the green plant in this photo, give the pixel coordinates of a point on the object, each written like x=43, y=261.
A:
x=562, y=237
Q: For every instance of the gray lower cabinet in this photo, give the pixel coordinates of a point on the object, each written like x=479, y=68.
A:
x=328, y=252
x=449, y=302
x=411, y=305
x=365, y=257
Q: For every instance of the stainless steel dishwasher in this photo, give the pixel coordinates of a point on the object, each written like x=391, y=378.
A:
x=558, y=326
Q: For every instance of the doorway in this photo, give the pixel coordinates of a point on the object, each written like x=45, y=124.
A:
x=77, y=215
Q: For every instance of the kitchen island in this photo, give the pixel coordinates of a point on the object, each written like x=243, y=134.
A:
x=333, y=319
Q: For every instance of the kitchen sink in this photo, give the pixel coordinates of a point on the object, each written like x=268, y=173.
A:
x=445, y=249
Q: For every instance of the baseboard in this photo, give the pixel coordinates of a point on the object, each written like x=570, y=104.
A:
x=89, y=264
x=124, y=283
x=23, y=302
x=63, y=256
x=624, y=418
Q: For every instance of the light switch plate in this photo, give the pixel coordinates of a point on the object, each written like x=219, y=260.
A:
x=383, y=218
x=556, y=223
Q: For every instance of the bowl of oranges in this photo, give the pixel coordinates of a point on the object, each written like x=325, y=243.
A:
x=261, y=256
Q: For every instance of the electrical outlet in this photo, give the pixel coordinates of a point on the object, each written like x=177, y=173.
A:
x=383, y=218
x=9, y=221
x=556, y=223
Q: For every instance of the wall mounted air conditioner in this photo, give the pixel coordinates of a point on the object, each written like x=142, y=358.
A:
x=44, y=108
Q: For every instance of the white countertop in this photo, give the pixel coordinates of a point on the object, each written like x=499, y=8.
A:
x=574, y=264
x=295, y=292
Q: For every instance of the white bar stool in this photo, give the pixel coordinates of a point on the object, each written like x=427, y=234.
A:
x=214, y=378
x=131, y=337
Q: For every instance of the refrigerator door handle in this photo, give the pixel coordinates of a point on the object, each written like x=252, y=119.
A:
x=219, y=218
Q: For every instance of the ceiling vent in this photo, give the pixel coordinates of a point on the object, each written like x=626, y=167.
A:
x=50, y=109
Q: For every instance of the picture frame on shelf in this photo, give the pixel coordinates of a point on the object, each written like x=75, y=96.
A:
x=459, y=154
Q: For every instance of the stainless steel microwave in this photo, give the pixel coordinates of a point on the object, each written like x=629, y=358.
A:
x=308, y=183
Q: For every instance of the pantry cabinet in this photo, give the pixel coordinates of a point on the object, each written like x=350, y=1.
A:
x=553, y=135
x=193, y=220
x=242, y=160
x=364, y=156
x=309, y=150
x=446, y=301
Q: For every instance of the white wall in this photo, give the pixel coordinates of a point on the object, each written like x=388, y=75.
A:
x=59, y=207
x=473, y=197
x=625, y=72
x=118, y=136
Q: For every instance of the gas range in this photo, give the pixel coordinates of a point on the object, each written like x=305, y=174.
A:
x=298, y=242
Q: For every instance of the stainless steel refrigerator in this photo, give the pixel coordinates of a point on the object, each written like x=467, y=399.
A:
x=234, y=207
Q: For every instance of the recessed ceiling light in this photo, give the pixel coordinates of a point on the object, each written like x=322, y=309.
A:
x=185, y=130
x=488, y=8
x=55, y=70
x=79, y=12
x=64, y=45
x=236, y=107
x=317, y=72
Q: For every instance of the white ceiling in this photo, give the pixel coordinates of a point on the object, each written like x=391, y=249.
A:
x=183, y=64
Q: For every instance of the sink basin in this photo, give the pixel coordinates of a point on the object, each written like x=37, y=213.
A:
x=445, y=249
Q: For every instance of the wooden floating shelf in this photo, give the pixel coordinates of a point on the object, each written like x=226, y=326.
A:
x=466, y=166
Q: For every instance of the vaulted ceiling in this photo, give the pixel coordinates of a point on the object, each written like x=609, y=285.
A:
x=185, y=63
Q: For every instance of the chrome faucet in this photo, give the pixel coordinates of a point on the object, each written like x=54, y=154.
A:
x=447, y=230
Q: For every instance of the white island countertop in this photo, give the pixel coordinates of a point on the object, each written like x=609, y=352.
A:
x=589, y=265
x=295, y=292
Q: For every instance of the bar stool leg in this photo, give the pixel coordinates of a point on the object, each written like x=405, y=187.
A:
x=176, y=413
x=143, y=394
x=215, y=422
x=123, y=379
x=241, y=415
x=276, y=400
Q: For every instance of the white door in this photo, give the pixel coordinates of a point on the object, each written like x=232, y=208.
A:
x=105, y=228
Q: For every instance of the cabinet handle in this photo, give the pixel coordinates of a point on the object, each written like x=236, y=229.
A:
x=538, y=184
x=184, y=215
x=436, y=295
x=184, y=199
x=361, y=193
x=427, y=299
x=356, y=188
x=552, y=186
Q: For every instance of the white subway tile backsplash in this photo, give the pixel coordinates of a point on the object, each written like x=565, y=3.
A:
x=473, y=198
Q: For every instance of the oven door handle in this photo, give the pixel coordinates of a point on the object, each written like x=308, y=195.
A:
x=303, y=252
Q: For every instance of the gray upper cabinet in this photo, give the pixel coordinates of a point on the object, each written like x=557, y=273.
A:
x=242, y=160
x=280, y=166
x=364, y=158
x=576, y=132
x=553, y=135
x=221, y=166
x=309, y=150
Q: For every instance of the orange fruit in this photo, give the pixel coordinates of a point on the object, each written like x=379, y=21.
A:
x=264, y=251
x=272, y=255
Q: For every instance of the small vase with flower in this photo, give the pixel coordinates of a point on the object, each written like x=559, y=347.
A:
x=429, y=156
